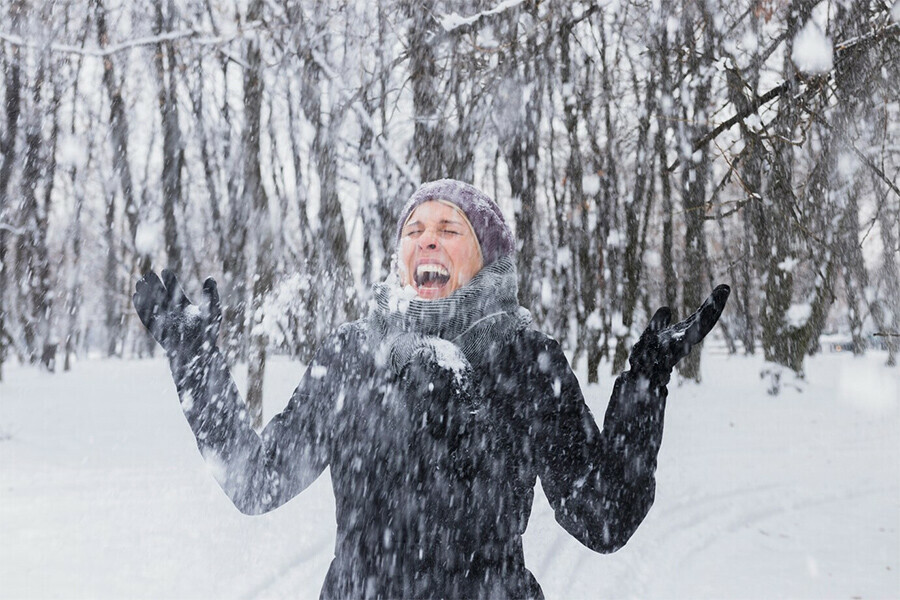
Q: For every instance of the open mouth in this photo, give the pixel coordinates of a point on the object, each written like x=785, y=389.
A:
x=431, y=276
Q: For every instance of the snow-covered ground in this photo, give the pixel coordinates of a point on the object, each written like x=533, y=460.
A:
x=104, y=495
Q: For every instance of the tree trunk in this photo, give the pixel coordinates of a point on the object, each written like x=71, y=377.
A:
x=520, y=143
x=308, y=261
x=633, y=263
x=47, y=289
x=608, y=217
x=255, y=196
x=665, y=119
x=780, y=345
x=173, y=151
x=111, y=278
x=33, y=265
x=853, y=269
x=742, y=88
x=74, y=295
x=234, y=253
x=27, y=268
x=118, y=124
x=210, y=168
x=333, y=267
x=12, y=108
x=428, y=134
x=695, y=176
x=888, y=312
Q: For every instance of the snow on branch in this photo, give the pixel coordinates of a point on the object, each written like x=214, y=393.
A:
x=195, y=35
x=454, y=21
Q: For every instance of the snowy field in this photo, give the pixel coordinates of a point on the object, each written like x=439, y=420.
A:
x=104, y=495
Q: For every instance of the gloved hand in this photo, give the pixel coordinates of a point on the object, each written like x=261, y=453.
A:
x=661, y=346
x=181, y=328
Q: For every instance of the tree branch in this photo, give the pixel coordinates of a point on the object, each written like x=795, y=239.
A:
x=366, y=118
x=859, y=153
x=840, y=52
x=456, y=22
x=11, y=229
x=184, y=34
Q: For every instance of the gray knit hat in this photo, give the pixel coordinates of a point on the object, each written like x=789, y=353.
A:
x=487, y=221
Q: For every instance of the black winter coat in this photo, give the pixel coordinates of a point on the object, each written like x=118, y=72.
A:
x=434, y=470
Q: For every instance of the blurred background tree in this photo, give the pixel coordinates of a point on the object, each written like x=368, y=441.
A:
x=642, y=151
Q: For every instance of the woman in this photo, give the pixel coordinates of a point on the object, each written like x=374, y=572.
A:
x=436, y=413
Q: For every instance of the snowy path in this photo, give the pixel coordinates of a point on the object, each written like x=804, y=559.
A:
x=104, y=495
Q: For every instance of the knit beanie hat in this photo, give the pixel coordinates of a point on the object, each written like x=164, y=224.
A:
x=487, y=221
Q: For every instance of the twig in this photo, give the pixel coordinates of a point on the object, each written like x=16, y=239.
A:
x=11, y=229
x=859, y=153
x=367, y=120
x=185, y=34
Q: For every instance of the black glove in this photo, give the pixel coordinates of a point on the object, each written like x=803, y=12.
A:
x=181, y=328
x=661, y=346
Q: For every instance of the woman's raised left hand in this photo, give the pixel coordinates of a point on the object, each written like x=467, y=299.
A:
x=661, y=346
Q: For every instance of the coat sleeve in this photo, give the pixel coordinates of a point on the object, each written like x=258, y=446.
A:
x=260, y=472
x=600, y=483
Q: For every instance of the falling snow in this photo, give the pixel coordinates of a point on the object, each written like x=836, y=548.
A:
x=813, y=53
x=641, y=153
x=798, y=314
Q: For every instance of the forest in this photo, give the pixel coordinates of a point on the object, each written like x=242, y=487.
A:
x=642, y=151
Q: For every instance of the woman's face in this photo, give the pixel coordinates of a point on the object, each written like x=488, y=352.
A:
x=439, y=252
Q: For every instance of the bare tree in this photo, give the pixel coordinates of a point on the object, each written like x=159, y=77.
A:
x=13, y=107
x=288, y=138
x=166, y=65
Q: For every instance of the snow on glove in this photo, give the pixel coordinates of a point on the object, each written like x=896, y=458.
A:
x=661, y=346
x=181, y=328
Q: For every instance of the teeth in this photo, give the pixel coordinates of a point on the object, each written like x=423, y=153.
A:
x=438, y=269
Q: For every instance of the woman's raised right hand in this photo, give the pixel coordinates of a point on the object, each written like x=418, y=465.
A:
x=177, y=325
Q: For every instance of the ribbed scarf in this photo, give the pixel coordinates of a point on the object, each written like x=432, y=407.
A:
x=482, y=312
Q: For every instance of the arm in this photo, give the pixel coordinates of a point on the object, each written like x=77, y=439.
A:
x=601, y=484
x=257, y=472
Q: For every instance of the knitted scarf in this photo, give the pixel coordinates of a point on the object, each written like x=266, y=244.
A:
x=483, y=312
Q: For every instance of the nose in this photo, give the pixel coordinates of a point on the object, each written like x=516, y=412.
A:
x=428, y=239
